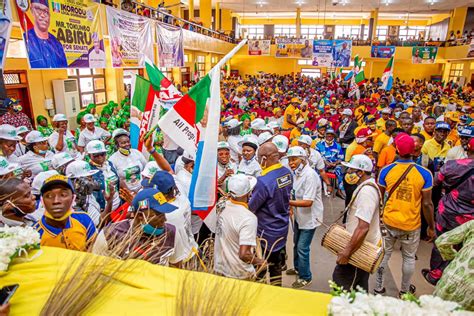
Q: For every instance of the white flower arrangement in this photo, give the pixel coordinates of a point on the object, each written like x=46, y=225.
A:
x=360, y=303
x=16, y=242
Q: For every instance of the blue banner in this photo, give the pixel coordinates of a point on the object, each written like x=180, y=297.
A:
x=332, y=53
x=382, y=51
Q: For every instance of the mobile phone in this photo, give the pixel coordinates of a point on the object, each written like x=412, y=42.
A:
x=7, y=292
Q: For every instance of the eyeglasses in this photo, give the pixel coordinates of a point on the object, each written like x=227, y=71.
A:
x=98, y=155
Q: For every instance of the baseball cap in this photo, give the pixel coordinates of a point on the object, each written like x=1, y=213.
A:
x=405, y=144
x=386, y=111
x=295, y=100
x=38, y=181
x=239, y=185
x=163, y=181
x=119, y=132
x=89, y=118
x=9, y=101
x=467, y=131
x=273, y=124
x=370, y=119
x=35, y=137
x=79, y=169
x=153, y=199
x=232, y=123
x=330, y=131
x=95, y=147
x=264, y=137
x=305, y=139
x=150, y=169
x=362, y=134
x=223, y=145
x=300, y=121
x=21, y=130
x=296, y=151
x=281, y=142
x=188, y=156
x=442, y=125
x=9, y=132
x=250, y=140
x=57, y=179
x=346, y=112
x=59, y=117
x=7, y=167
x=359, y=162
x=60, y=159
x=258, y=124
x=452, y=115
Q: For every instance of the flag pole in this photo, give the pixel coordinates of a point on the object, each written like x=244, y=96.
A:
x=229, y=55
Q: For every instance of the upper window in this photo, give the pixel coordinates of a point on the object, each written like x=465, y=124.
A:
x=92, y=87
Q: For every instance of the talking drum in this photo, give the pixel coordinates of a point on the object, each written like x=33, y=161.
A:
x=368, y=257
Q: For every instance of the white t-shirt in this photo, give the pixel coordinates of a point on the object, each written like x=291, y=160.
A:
x=457, y=152
x=184, y=239
x=69, y=143
x=178, y=164
x=250, y=167
x=307, y=186
x=236, y=226
x=20, y=150
x=35, y=163
x=86, y=136
x=366, y=208
x=183, y=182
x=93, y=209
x=96, y=60
x=110, y=177
x=315, y=159
x=129, y=168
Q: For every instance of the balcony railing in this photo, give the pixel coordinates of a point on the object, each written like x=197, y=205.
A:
x=161, y=14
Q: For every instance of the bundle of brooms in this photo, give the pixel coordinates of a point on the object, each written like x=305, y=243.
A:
x=368, y=257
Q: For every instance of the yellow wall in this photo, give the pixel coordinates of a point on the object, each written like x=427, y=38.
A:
x=323, y=21
x=458, y=17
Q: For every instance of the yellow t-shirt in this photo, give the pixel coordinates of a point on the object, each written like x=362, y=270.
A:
x=403, y=208
x=453, y=137
x=350, y=150
x=426, y=135
x=380, y=142
x=295, y=134
x=380, y=123
x=290, y=110
x=433, y=149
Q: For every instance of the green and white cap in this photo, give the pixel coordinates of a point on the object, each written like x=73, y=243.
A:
x=150, y=169
x=79, y=169
x=59, y=117
x=6, y=167
x=239, y=185
x=360, y=162
x=21, y=130
x=281, y=142
x=95, y=147
x=296, y=151
x=223, y=145
x=35, y=137
x=9, y=132
x=60, y=159
x=119, y=132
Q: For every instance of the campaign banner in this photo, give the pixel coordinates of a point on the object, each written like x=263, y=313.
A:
x=382, y=51
x=170, y=46
x=424, y=54
x=62, y=33
x=342, y=53
x=323, y=53
x=131, y=38
x=470, y=52
x=293, y=48
x=5, y=30
x=259, y=47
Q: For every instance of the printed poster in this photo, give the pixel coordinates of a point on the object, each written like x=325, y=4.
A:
x=322, y=53
x=62, y=33
x=470, y=52
x=342, y=50
x=293, y=48
x=170, y=46
x=259, y=47
x=5, y=30
x=382, y=51
x=131, y=38
x=423, y=54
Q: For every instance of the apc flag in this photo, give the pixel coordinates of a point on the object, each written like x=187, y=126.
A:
x=387, y=76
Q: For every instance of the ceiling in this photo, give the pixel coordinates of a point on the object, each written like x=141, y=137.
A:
x=340, y=6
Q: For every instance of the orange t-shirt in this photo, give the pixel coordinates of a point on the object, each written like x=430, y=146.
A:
x=387, y=156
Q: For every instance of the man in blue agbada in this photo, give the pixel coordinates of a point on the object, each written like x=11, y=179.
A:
x=44, y=50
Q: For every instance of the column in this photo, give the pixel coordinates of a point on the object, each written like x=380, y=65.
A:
x=217, y=17
x=174, y=7
x=205, y=12
x=226, y=20
x=298, y=22
x=191, y=10
x=374, y=17
x=457, y=20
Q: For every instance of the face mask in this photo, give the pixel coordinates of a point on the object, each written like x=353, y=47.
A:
x=62, y=218
x=352, y=178
x=299, y=170
x=150, y=230
x=17, y=108
x=397, y=114
x=42, y=152
x=124, y=151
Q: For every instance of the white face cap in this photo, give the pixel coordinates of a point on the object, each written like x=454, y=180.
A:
x=38, y=181
x=360, y=162
x=6, y=167
x=150, y=169
x=60, y=159
x=223, y=145
x=305, y=139
x=95, y=147
x=239, y=185
x=119, y=132
x=35, y=137
x=21, y=130
x=9, y=132
x=249, y=139
x=79, y=169
x=296, y=151
x=281, y=142
x=258, y=124
x=233, y=123
x=59, y=117
x=347, y=112
x=89, y=118
x=189, y=156
x=264, y=137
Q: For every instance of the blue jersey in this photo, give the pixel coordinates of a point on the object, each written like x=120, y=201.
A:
x=330, y=153
x=42, y=53
x=270, y=202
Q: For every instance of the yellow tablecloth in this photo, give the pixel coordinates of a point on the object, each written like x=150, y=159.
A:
x=146, y=289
